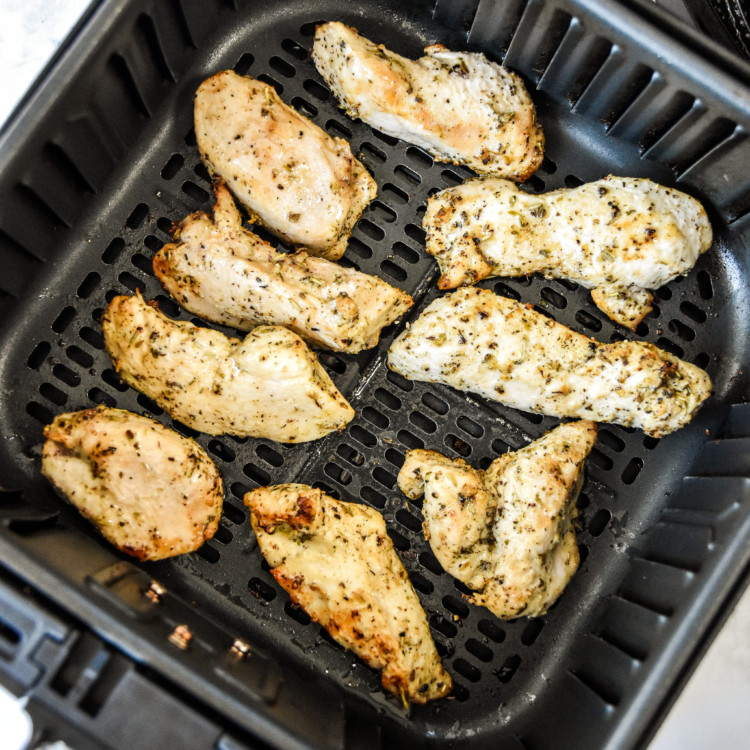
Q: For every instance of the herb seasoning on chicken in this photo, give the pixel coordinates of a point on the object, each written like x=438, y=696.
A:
x=221, y=271
x=151, y=492
x=267, y=385
x=619, y=236
x=506, y=533
x=336, y=561
x=476, y=341
x=303, y=185
x=459, y=106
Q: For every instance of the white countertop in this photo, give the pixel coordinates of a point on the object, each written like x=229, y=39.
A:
x=711, y=713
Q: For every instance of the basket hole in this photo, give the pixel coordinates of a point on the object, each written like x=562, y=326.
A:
x=317, y=90
x=393, y=271
x=196, y=192
x=304, y=107
x=475, y=648
x=337, y=130
x=358, y=248
x=435, y=404
x=632, y=470
x=375, y=417
x=88, y=286
x=223, y=535
x=277, y=87
x=443, y=626
x=611, y=441
x=410, y=440
x=350, y=455
x=422, y=422
x=548, y=165
x=470, y=427
x=599, y=522
x=261, y=589
x=113, y=379
x=601, y=460
x=456, y=606
x=368, y=149
x=693, y=312
x=459, y=692
x=395, y=457
x=400, y=542
x=130, y=282
x=684, y=332
x=419, y=156
x=375, y=498
x=373, y=231
x=531, y=417
x=165, y=225
x=588, y=321
x=381, y=476
x=337, y=473
x=505, y=291
x=143, y=264
x=308, y=29
x=209, y=554
x=221, y=451
x=258, y=475
x=381, y=212
x=535, y=183
x=671, y=347
x=269, y=455
x=554, y=298
x=173, y=166
x=362, y=436
x=37, y=357
x=458, y=445
x=380, y=135
x=399, y=381
x=297, y=613
x=297, y=51
x=282, y=66
x=509, y=668
x=572, y=181
x=467, y=670
x=413, y=232
x=531, y=631
x=421, y=583
x=153, y=243
x=429, y=561
x=450, y=177
x=409, y=521
x=243, y=64
x=149, y=405
x=53, y=394
x=92, y=337
x=98, y=396
x=705, y=285
x=137, y=216
x=405, y=253
x=64, y=319
x=332, y=363
x=394, y=194
x=702, y=360
x=408, y=175
x=112, y=253
x=40, y=413
x=491, y=630
x=234, y=514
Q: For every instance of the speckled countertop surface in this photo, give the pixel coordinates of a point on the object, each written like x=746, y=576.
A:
x=712, y=710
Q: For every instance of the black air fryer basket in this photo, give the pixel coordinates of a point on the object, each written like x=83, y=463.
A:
x=205, y=651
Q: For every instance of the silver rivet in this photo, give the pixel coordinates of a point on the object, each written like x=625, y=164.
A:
x=240, y=649
x=181, y=637
x=155, y=592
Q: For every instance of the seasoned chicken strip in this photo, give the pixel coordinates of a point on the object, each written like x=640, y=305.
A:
x=619, y=236
x=459, y=106
x=151, y=492
x=506, y=533
x=267, y=385
x=337, y=562
x=303, y=185
x=219, y=270
x=476, y=341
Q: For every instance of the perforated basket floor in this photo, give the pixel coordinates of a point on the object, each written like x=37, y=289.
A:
x=110, y=162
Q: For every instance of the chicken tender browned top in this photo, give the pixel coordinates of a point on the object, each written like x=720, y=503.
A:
x=459, y=106
x=336, y=561
x=506, y=533
x=477, y=341
x=221, y=271
x=303, y=185
x=267, y=385
x=151, y=492
x=619, y=236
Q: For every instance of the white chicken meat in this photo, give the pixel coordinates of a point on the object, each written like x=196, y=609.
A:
x=459, y=106
x=619, y=236
x=267, y=385
x=336, y=561
x=299, y=182
x=474, y=340
x=151, y=493
x=221, y=271
x=506, y=533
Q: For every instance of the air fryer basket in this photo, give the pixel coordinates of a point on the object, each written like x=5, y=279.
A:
x=95, y=170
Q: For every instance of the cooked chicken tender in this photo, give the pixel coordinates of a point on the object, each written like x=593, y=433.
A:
x=336, y=561
x=476, y=341
x=221, y=271
x=619, y=236
x=459, y=106
x=300, y=183
x=151, y=492
x=506, y=533
x=267, y=385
